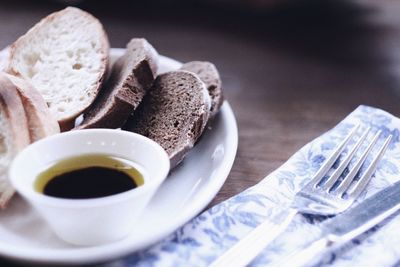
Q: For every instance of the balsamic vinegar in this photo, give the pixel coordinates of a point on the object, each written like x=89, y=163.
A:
x=88, y=176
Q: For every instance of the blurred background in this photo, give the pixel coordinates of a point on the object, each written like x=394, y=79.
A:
x=291, y=69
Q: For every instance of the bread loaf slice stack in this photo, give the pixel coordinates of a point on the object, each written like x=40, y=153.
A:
x=173, y=113
x=131, y=76
x=24, y=118
x=208, y=73
x=41, y=123
x=65, y=58
x=58, y=69
x=4, y=56
x=14, y=134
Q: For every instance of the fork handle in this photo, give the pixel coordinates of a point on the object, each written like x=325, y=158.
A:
x=243, y=252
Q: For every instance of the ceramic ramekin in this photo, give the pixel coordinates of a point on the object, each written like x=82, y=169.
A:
x=93, y=221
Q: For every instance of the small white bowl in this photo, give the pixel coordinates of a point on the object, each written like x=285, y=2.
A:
x=93, y=221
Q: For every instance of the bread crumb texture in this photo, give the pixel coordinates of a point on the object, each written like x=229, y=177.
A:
x=63, y=58
x=5, y=145
x=172, y=112
x=209, y=74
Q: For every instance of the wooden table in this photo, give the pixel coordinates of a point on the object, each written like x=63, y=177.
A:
x=289, y=73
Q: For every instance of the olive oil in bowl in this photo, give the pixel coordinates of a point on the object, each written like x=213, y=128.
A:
x=78, y=216
x=88, y=176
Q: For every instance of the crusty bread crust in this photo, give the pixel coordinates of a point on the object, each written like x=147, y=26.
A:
x=173, y=113
x=14, y=112
x=21, y=42
x=4, y=57
x=131, y=76
x=209, y=74
x=14, y=133
x=41, y=122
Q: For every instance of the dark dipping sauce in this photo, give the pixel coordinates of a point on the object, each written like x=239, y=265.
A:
x=90, y=182
x=88, y=176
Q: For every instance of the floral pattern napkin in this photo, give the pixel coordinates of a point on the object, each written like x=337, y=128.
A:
x=214, y=231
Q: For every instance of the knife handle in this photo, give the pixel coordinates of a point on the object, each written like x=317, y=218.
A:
x=308, y=255
x=246, y=249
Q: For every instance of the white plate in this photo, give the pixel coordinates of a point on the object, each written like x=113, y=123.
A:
x=24, y=236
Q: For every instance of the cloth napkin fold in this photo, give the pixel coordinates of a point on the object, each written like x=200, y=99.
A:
x=207, y=236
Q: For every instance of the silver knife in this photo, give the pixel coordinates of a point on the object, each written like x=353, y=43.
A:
x=348, y=225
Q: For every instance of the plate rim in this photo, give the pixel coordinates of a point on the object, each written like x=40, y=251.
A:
x=86, y=255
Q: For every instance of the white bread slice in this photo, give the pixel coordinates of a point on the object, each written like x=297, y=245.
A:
x=65, y=58
x=4, y=55
x=14, y=134
x=41, y=122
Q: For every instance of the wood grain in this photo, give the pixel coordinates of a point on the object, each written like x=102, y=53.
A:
x=289, y=73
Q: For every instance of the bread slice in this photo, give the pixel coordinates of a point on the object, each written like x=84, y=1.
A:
x=65, y=58
x=173, y=113
x=4, y=56
x=41, y=122
x=131, y=76
x=14, y=134
x=208, y=73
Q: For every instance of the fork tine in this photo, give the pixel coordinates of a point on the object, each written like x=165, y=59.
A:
x=364, y=180
x=329, y=162
x=336, y=174
x=344, y=185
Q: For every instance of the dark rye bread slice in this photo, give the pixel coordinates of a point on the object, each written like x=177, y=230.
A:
x=173, y=113
x=208, y=73
x=131, y=76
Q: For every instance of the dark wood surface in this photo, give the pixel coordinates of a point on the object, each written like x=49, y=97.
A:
x=290, y=72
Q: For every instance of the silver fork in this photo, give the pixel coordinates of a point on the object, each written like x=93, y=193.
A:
x=320, y=196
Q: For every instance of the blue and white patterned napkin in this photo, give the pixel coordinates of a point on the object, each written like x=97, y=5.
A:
x=211, y=233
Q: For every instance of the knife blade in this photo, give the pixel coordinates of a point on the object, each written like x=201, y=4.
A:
x=348, y=225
